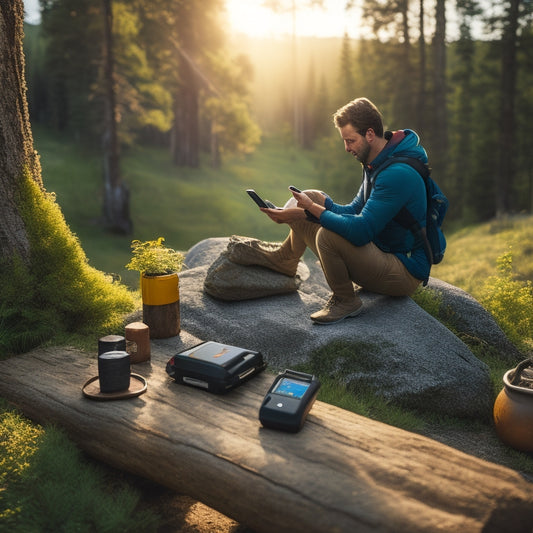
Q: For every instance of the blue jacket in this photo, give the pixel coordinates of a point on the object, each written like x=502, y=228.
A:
x=396, y=186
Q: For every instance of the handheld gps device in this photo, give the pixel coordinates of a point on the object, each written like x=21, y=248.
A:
x=288, y=401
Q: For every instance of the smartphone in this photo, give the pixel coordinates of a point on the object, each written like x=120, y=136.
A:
x=293, y=188
x=259, y=201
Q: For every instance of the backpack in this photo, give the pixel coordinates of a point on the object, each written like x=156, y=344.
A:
x=437, y=205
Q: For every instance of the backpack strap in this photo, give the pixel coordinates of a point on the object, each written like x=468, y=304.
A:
x=404, y=216
x=408, y=221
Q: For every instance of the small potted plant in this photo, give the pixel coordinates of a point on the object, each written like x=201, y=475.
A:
x=159, y=267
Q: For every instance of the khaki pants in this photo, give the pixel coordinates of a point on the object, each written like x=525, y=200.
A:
x=344, y=263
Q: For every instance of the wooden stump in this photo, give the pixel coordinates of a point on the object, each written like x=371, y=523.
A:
x=138, y=342
x=111, y=343
x=163, y=320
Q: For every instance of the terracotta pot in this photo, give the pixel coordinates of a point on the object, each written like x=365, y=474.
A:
x=513, y=408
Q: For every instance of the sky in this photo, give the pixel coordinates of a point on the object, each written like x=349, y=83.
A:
x=31, y=9
x=248, y=16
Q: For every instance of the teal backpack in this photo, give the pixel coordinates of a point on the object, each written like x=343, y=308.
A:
x=437, y=204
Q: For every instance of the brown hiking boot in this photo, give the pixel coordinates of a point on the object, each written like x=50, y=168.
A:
x=336, y=310
x=244, y=251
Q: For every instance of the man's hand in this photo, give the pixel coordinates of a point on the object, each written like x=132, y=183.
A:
x=303, y=200
x=286, y=215
x=315, y=207
x=293, y=210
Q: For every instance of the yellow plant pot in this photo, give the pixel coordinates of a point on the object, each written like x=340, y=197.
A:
x=161, y=305
x=160, y=290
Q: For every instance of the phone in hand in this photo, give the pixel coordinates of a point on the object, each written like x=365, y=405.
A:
x=259, y=201
x=293, y=188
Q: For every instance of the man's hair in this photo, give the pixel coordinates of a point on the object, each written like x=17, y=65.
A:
x=362, y=114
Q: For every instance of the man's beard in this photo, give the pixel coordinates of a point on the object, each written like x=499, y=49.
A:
x=363, y=154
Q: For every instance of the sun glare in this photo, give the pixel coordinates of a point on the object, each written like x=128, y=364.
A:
x=252, y=18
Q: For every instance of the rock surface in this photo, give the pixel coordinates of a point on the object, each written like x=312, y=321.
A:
x=393, y=347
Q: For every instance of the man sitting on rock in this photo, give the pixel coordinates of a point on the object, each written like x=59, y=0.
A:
x=358, y=242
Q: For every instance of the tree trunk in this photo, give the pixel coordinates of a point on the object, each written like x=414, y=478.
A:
x=422, y=71
x=460, y=202
x=404, y=104
x=216, y=159
x=116, y=193
x=440, y=125
x=185, y=136
x=505, y=170
x=17, y=154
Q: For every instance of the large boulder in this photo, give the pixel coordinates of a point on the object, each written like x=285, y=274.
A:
x=394, y=347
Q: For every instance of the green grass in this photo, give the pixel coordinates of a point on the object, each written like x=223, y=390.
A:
x=473, y=252
x=185, y=206
x=46, y=484
x=494, y=263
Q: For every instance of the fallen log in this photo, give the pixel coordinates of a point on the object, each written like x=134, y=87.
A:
x=341, y=473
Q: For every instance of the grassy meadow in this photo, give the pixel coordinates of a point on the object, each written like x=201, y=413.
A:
x=492, y=261
x=183, y=205
x=186, y=205
x=472, y=253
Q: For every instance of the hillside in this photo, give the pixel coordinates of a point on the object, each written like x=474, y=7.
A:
x=472, y=253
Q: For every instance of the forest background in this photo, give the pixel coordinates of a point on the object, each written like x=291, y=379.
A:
x=151, y=119
x=138, y=87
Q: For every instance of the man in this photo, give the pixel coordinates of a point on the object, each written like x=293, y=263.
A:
x=358, y=242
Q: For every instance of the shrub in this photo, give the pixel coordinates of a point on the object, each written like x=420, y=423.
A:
x=153, y=258
x=58, y=291
x=511, y=302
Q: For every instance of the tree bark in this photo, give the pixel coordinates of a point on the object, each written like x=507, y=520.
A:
x=116, y=194
x=506, y=163
x=17, y=154
x=342, y=473
x=185, y=137
x=439, y=155
x=185, y=133
x=422, y=70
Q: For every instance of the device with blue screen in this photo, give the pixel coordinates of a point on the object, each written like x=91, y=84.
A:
x=288, y=401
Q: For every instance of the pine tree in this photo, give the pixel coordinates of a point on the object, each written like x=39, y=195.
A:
x=116, y=194
x=462, y=130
